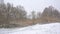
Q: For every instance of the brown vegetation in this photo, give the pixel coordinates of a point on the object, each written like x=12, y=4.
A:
x=11, y=16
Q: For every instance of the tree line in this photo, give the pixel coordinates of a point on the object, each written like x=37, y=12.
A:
x=10, y=13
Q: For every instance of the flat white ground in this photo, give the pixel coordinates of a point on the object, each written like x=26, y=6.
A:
x=52, y=28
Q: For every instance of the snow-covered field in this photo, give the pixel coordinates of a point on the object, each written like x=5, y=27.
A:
x=52, y=28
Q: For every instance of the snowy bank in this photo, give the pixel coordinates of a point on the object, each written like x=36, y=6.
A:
x=53, y=28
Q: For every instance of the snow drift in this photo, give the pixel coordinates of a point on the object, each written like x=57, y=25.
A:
x=52, y=28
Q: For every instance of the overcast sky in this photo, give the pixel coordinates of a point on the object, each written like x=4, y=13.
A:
x=36, y=5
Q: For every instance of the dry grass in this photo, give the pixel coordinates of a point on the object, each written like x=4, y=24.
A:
x=28, y=22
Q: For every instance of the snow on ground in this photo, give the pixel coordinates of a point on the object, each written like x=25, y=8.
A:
x=52, y=28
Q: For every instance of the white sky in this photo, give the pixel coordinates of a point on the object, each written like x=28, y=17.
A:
x=36, y=5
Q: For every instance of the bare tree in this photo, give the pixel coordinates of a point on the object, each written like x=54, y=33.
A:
x=21, y=12
x=38, y=14
x=33, y=17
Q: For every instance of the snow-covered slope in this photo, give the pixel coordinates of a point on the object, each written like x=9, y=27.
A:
x=53, y=28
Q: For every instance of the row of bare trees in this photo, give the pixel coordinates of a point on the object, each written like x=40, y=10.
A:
x=8, y=13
